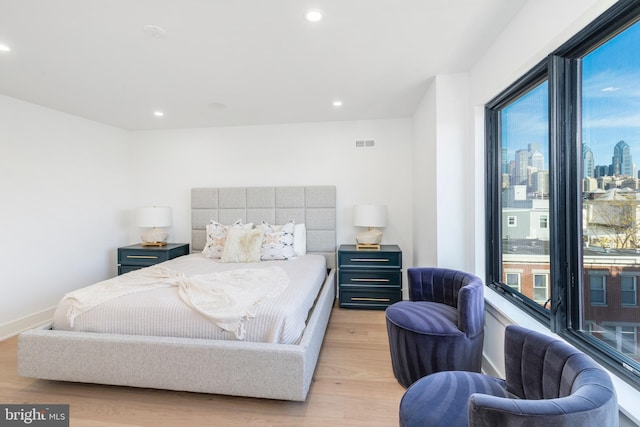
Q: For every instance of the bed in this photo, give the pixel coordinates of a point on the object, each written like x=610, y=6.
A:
x=219, y=366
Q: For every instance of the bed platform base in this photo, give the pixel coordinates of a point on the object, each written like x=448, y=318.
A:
x=274, y=371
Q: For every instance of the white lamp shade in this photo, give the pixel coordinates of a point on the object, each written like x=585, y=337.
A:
x=154, y=216
x=370, y=216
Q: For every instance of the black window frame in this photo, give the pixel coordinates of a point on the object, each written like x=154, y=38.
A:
x=532, y=79
x=561, y=69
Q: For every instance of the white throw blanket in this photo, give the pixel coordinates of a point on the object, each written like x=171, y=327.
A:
x=227, y=298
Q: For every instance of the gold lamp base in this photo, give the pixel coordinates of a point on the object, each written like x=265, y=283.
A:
x=155, y=236
x=367, y=246
x=159, y=244
x=369, y=240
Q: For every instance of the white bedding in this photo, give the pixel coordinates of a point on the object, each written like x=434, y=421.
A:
x=161, y=312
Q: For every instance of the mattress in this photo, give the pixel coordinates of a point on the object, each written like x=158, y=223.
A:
x=280, y=319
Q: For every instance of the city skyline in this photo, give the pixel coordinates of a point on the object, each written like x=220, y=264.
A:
x=610, y=104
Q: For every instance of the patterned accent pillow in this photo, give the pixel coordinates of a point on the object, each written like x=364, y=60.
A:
x=216, y=238
x=278, y=241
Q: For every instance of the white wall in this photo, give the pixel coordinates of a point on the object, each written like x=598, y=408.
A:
x=536, y=31
x=443, y=173
x=165, y=165
x=63, y=190
x=425, y=174
x=70, y=187
x=455, y=237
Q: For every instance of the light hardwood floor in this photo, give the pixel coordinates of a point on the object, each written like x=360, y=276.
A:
x=353, y=386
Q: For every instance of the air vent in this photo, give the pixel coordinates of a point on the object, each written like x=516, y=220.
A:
x=365, y=143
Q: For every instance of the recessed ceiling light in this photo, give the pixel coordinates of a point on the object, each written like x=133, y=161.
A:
x=337, y=103
x=158, y=113
x=154, y=31
x=313, y=15
x=4, y=48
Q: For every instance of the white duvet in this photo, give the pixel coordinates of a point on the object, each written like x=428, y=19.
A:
x=197, y=297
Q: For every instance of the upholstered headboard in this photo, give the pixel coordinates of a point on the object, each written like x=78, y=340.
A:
x=313, y=206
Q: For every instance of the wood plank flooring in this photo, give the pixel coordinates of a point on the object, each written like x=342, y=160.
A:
x=353, y=386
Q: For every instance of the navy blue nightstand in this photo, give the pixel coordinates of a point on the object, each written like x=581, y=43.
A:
x=369, y=279
x=134, y=257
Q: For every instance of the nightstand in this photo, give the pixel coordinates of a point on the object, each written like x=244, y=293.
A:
x=134, y=257
x=370, y=279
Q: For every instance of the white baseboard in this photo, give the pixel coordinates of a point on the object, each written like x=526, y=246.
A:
x=14, y=327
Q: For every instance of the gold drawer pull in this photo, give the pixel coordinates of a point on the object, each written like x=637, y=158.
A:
x=371, y=299
x=142, y=256
x=370, y=259
x=369, y=280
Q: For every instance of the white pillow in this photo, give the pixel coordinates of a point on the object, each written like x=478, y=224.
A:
x=300, y=240
x=216, y=237
x=242, y=245
x=278, y=241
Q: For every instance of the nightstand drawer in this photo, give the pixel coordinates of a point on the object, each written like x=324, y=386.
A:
x=369, y=298
x=369, y=259
x=141, y=257
x=134, y=257
x=370, y=277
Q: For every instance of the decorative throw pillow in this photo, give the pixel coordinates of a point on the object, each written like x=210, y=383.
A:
x=216, y=237
x=242, y=245
x=300, y=240
x=278, y=241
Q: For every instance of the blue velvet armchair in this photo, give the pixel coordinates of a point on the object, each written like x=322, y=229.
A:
x=440, y=328
x=547, y=383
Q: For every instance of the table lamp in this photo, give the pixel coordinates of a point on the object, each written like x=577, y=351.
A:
x=154, y=219
x=370, y=216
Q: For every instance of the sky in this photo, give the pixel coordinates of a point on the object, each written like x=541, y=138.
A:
x=526, y=121
x=611, y=96
x=610, y=108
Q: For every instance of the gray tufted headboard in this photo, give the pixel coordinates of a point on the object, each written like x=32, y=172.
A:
x=313, y=206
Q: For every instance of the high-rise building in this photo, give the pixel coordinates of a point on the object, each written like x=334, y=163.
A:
x=521, y=168
x=588, y=164
x=505, y=161
x=540, y=183
x=601, y=170
x=537, y=160
x=621, y=162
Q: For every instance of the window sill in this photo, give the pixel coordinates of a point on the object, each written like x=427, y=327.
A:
x=508, y=313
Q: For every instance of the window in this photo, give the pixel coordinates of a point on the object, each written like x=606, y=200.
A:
x=544, y=221
x=523, y=197
x=563, y=191
x=513, y=280
x=598, y=289
x=540, y=288
x=628, y=290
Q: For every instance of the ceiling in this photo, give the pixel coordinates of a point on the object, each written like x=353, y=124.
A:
x=238, y=62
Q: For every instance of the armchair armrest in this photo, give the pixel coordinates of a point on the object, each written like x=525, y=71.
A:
x=488, y=411
x=471, y=308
